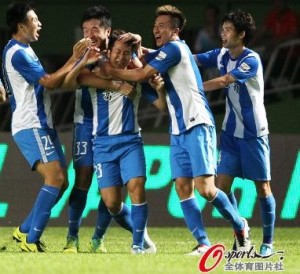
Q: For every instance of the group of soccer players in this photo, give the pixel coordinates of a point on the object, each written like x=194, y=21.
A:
x=107, y=140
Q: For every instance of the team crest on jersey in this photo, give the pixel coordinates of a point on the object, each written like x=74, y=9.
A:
x=244, y=67
x=107, y=95
x=161, y=56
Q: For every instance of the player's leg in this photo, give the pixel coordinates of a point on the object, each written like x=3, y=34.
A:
x=139, y=212
x=206, y=188
x=192, y=214
x=224, y=182
x=256, y=163
x=39, y=148
x=181, y=171
x=268, y=214
x=83, y=164
x=133, y=172
x=228, y=166
x=110, y=203
x=201, y=146
x=77, y=202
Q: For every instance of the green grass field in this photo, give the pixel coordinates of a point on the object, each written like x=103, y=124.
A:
x=172, y=243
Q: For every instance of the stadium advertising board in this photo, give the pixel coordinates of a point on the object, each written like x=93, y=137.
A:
x=19, y=186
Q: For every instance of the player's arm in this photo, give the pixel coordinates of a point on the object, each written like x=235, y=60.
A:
x=92, y=80
x=134, y=39
x=132, y=75
x=2, y=94
x=219, y=82
x=157, y=82
x=55, y=80
x=70, y=82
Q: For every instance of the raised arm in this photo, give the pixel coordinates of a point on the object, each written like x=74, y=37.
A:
x=90, y=57
x=55, y=80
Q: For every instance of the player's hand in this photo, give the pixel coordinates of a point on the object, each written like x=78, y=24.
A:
x=136, y=39
x=105, y=69
x=157, y=82
x=127, y=90
x=80, y=47
x=91, y=56
x=100, y=72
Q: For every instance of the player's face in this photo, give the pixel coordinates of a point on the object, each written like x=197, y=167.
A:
x=230, y=37
x=30, y=29
x=163, y=30
x=98, y=34
x=120, y=55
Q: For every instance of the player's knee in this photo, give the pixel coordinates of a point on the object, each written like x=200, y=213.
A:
x=56, y=179
x=263, y=189
x=114, y=207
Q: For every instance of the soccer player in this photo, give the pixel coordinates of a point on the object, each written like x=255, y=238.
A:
x=244, y=145
x=193, y=139
x=117, y=145
x=96, y=25
x=32, y=127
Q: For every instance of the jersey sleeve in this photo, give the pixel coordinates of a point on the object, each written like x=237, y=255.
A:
x=29, y=68
x=166, y=57
x=208, y=59
x=247, y=69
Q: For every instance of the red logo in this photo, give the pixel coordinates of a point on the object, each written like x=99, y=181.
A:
x=216, y=253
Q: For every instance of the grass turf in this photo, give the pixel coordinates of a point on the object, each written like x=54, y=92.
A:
x=172, y=244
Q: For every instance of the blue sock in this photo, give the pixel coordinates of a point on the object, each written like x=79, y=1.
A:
x=25, y=226
x=233, y=201
x=77, y=202
x=193, y=220
x=103, y=221
x=267, y=208
x=222, y=203
x=123, y=218
x=43, y=205
x=139, y=216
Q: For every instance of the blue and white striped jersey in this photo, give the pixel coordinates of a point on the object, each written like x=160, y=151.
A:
x=114, y=113
x=186, y=100
x=83, y=112
x=30, y=103
x=245, y=115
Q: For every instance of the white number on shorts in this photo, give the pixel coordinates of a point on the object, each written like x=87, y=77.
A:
x=48, y=142
x=98, y=170
x=81, y=148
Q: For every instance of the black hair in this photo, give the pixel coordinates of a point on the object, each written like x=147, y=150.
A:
x=242, y=21
x=97, y=12
x=17, y=13
x=116, y=33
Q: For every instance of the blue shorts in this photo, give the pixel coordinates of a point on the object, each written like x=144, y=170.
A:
x=245, y=158
x=38, y=144
x=117, y=159
x=82, y=144
x=193, y=153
